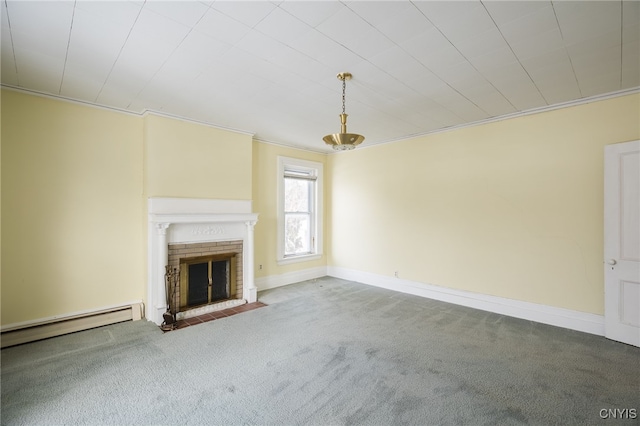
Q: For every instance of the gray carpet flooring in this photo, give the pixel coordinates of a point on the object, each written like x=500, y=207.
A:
x=324, y=352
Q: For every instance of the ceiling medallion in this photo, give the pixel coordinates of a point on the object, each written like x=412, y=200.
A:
x=343, y=141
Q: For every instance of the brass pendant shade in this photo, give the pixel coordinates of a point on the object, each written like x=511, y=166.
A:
x=343, y=141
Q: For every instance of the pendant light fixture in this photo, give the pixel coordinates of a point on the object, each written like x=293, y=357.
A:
x=343, y=141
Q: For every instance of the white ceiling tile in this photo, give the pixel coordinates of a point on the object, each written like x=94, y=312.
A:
x=473, y=21
x=344, y=27
x=282, y=26
x=221, y=27
x=407, y=24
x=461, y=74
x=202, y=47
x=39, y=72
x=326, y=51
x=441, y=61
x=630, y=21
x=89, y=50
x=549, y=60
x=607, y=40
x=7, y=62
x=556, y=90
x=601, y=61
x=183, y=65
x=586, y=19
x=594, y=84
x=8, y=71
x=368, y=43
x=441, y=12
x=537, y=46
x=247, y=12
x=492, y=102
x=43, y=27
x=434, y=51
x=185, y=12
x=302, y=65
x=631, y=64
x=424, y=44
x=379, y=12
x=481, y=43
x=494, y=60
x=398, y=63
x=312, y=12
x=142, y=57
x=114, y=97
x=529, y=26
x=122, y=13
x=153, y=28
x=444, y=116
x=468, y=111
x=425, y=83
x=79, y=84
x=260, y=46
x=505, y=11
x=237, y=60
x=314, y=43
x=425, y=121
x=514, y=83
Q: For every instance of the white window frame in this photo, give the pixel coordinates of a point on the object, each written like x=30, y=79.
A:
x=284, y=164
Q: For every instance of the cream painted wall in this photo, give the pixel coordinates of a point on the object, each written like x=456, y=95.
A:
x=512, y=208
x=265, y=177
x=72, y=230
x=185, y=159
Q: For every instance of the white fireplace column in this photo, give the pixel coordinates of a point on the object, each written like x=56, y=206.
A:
x=163, y=260
x=250, y=292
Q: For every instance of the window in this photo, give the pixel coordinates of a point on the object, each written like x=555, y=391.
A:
x=299, y=210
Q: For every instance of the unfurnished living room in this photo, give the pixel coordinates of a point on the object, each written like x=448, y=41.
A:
x=320, y=212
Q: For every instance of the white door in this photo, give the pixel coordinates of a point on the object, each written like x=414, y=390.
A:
x=622, y=242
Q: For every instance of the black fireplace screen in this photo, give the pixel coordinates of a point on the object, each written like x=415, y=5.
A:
x=207, y=282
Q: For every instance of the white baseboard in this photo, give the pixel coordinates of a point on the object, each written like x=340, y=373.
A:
x=560, y=317
x=273, y=281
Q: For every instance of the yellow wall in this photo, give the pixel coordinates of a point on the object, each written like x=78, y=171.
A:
x=184, y=159
x=72, y=232
x=512, y=208
x=265, y=175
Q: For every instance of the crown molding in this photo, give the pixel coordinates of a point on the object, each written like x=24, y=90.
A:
x=141, y=114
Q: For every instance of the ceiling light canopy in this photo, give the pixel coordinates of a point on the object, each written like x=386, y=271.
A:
x=343, y=141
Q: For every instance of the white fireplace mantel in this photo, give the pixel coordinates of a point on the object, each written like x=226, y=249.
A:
x=191, y=220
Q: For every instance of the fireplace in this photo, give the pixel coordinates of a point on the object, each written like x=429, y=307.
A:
x=209, y=273
x=210, y=244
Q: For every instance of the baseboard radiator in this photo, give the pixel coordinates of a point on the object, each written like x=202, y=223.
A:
x=37, y=330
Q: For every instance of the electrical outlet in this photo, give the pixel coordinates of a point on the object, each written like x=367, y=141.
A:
x=396, y=274
x=260, y=267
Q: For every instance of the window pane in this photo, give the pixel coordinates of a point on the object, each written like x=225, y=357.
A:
x=296, y=195
x=297, y=233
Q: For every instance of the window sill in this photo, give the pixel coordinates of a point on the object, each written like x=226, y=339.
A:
x=301, y=258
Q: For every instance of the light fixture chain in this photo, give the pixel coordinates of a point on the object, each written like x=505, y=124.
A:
x=344, y=87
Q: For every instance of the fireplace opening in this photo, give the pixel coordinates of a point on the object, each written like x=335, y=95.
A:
x=207, y=279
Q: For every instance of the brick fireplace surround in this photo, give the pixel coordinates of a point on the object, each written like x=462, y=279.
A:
x=198, y=226
x=180, y=252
